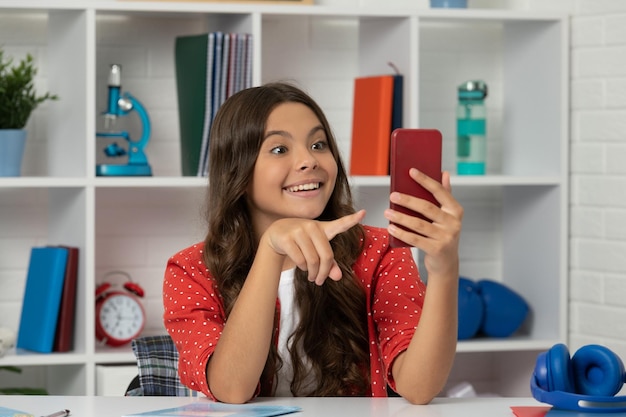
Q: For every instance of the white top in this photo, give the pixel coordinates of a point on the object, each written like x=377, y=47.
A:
x=289, y=321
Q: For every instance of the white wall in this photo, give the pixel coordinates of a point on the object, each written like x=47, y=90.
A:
x=597, y=264
x=598, y=173
x=598, y=182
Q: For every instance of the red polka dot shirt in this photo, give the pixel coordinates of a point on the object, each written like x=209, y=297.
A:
x=194, y=314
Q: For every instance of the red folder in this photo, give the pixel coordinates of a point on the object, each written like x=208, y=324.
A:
x=371, y=125
x=64, y=336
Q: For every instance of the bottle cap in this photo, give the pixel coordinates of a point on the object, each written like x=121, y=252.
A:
x=473, y=90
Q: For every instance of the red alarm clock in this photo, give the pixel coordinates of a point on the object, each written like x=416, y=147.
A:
x=120, y=316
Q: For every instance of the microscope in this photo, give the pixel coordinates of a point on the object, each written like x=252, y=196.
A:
x=122, y=105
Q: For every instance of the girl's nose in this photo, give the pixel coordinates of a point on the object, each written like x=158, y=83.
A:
x=306, y=160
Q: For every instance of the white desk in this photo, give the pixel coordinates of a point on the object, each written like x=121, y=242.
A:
x=323, y=407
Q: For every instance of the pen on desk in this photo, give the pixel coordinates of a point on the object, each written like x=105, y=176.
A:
x=62, y=413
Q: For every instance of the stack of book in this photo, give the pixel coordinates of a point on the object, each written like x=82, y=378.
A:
x=209, y=69
x=47, y=318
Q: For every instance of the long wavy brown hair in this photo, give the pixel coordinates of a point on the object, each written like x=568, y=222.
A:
x=332, y=335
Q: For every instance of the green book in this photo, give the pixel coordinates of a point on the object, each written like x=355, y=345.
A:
x=192, y=61
x=209, y=68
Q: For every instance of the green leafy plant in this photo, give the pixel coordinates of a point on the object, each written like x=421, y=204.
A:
x=18, y=98
x=23, y=390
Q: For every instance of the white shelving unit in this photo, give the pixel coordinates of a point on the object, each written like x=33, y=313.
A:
x=516, y=220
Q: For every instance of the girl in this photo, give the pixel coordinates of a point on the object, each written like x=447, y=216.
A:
x=289, y=294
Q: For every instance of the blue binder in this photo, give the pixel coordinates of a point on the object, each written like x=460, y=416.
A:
x=42, y=298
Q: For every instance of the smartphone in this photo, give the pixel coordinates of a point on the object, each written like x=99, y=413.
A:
x=413, y=148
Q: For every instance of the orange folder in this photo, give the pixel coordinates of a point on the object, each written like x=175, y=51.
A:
x=371, y=125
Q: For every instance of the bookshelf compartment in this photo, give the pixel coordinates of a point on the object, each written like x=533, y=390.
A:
x=56, y=379
x=148, y=73
x=513, y=238
x=493, y=373
x=55, y=130
x=137, y=230
x=37, y=217
x=525, y=124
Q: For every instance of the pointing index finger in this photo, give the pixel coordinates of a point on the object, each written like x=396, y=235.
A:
x=333, y=228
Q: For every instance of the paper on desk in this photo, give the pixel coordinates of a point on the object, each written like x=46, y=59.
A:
x=9, y=412
x=214, y=409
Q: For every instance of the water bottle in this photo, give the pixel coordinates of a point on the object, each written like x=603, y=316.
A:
x=471, y=149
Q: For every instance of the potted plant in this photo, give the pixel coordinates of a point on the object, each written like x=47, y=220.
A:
x=20, y=390
x=7, y=341
x=18, y=99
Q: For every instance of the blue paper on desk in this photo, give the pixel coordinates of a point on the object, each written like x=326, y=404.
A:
x=9, y=412
x=214, y=409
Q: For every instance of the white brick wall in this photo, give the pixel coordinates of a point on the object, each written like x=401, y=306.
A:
x=598, y=173
x=598, y=150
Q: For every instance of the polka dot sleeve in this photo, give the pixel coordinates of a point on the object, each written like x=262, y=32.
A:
x=397, y=297
x=193, y=315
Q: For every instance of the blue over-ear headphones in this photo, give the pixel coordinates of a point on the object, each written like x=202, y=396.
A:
x=586, y=382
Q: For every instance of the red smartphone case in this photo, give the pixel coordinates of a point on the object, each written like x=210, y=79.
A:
x=413, y=148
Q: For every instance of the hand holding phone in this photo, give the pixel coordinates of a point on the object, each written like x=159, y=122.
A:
x=413, y=148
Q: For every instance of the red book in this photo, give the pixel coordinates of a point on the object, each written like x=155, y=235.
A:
x=371, y=125
x=64, y=337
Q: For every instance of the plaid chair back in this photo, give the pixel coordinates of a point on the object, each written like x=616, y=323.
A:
x=157, y=362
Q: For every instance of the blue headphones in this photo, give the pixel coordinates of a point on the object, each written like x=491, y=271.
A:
x=586, y=382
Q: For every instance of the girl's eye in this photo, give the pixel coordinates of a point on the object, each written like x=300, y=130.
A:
x=320, y=146
x=279, y=150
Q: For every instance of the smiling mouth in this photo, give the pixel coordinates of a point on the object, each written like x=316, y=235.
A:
x=304, y=187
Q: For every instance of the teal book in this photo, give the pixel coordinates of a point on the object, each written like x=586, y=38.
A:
x=42, y=298
x=210, y=409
